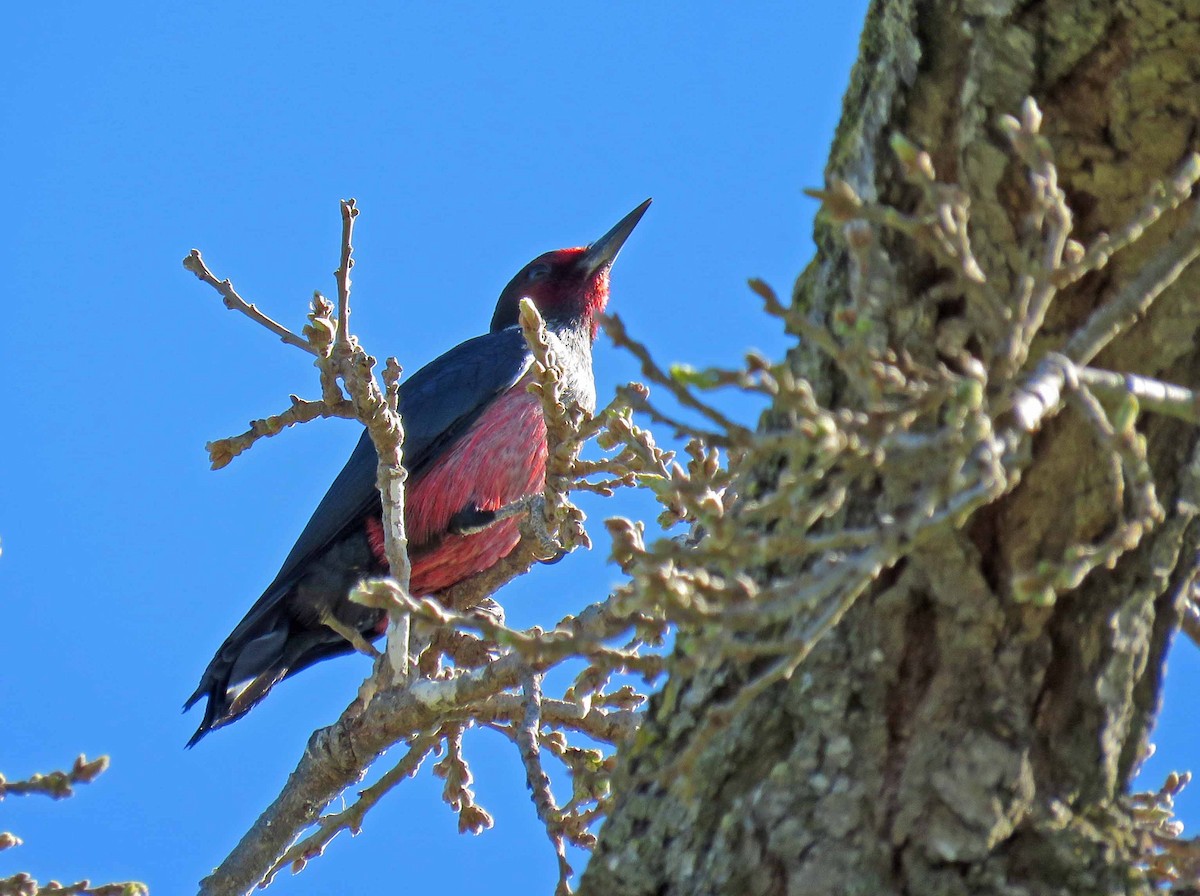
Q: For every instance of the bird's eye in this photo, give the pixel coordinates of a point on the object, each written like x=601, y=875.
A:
x=538, y=271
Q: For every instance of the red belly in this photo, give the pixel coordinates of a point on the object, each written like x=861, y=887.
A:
x=500, y=459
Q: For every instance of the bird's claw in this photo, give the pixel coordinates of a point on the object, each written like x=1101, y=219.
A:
x=549, y=549
x=351, y=634
x=471, y=520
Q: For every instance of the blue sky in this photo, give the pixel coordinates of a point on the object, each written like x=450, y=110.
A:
x=474, y=138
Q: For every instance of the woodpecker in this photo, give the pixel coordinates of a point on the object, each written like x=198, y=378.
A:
x=475, y=442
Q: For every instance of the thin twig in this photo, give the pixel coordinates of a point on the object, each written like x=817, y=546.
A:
x=351, y=818
x=1119, y=313
x=235, y=302
x=222, y=451
x=1041, y=396
x=57, y=784
x=1152, y=395
x=342, y=274
x=526, y=734
x=616, y=331
x=1164, y=197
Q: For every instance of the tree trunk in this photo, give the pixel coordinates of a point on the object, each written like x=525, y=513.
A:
x=945, y=738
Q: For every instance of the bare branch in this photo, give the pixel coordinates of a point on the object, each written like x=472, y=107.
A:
x=222, y=451
x=616, y=331
x=336, y=757
x=24, y=885
x=234, y=302
x=342, y=274
x=526, y=733
x=1164, y=197
x=1168, y=857
x=1042, y=394
x=57, y=784
x=1151, y=394
x=351, y=818
x=1124, y=309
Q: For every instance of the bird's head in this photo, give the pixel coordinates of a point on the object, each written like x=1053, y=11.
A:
x=567, y=284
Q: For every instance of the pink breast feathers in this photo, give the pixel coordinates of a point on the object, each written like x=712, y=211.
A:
x=490, y=466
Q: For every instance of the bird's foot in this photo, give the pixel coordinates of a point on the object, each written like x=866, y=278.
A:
x=471, y=520
x=549, y=549
x=351, y=634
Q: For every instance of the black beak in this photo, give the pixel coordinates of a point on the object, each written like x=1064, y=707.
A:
x=602, y=253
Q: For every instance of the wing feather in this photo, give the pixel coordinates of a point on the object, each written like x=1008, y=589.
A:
x=437, y=404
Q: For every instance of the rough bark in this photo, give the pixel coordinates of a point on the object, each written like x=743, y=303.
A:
x=944, y=738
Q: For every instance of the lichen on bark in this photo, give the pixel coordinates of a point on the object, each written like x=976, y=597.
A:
x=946, y=737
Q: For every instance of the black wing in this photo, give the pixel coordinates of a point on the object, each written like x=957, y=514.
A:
x=438, y=404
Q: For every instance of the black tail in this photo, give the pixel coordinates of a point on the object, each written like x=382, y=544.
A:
x=244, y=670
x=247, y=667
x=284, y=633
